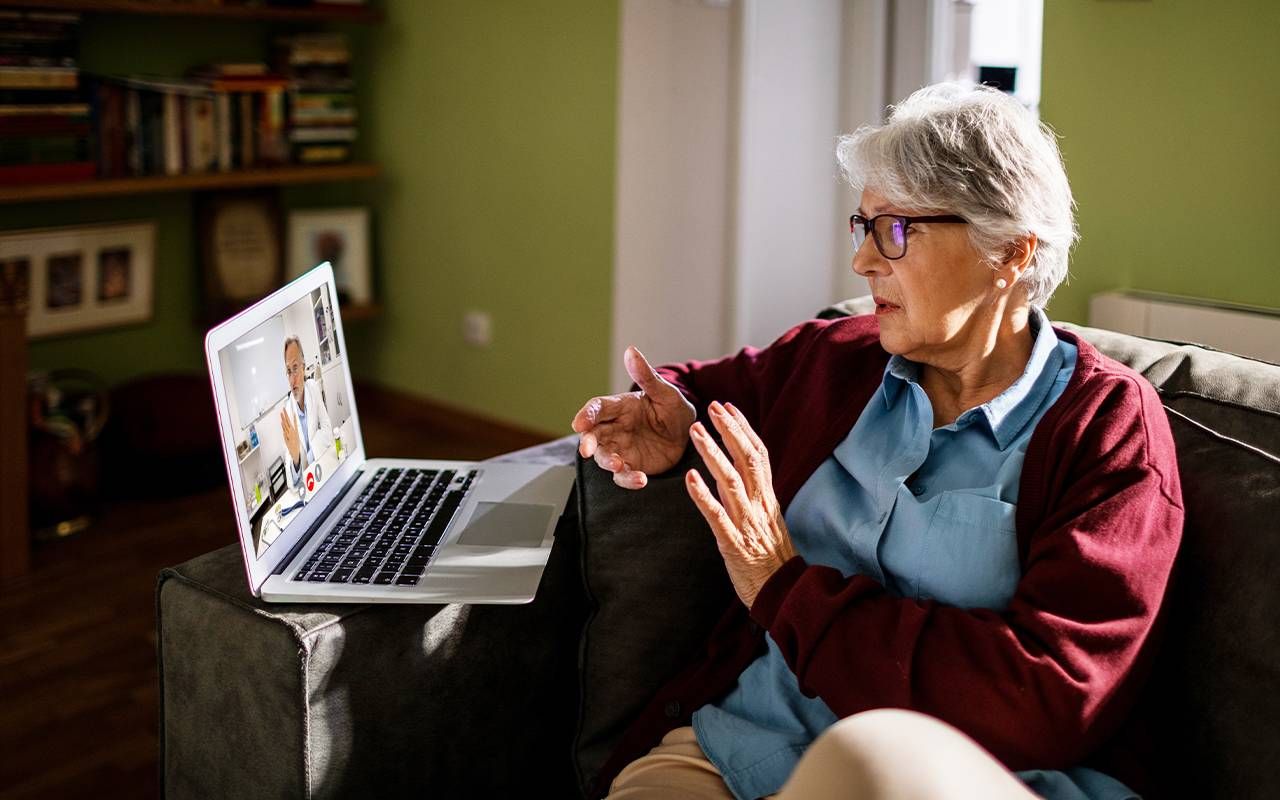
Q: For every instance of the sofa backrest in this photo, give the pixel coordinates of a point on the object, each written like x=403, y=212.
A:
x=1213, y=701
x=1214, y=698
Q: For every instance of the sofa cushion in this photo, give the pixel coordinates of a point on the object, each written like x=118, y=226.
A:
x=656, y=586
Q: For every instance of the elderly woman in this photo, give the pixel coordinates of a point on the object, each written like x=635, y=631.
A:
x=948, y=508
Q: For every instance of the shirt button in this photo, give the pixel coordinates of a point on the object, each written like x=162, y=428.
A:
x=672, y=709
x=917, y=490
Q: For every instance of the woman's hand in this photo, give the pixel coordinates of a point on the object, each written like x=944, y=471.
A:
x=638, y=433
x=746, y=520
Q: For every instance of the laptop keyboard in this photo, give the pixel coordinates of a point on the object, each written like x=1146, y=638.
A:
x=392, y=530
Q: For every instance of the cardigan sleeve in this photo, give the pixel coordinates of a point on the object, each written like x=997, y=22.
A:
x=747, y=378
x=1045, y=681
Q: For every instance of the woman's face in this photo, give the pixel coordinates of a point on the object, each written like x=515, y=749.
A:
x=926, y=300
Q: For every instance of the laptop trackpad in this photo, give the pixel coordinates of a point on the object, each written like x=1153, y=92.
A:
x=507, y=525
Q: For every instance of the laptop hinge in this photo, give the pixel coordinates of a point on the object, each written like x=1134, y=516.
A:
x=324, y=516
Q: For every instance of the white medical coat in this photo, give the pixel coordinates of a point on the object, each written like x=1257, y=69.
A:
x=314, y=437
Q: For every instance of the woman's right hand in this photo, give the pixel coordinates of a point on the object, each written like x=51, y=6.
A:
x=639, y=433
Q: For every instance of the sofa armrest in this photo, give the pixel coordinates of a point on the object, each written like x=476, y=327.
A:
x=306, y=700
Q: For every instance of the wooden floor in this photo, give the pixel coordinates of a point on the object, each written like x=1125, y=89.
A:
x=78, y=684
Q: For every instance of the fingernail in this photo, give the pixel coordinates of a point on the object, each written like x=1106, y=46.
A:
x=730, y=406
x=716, y=407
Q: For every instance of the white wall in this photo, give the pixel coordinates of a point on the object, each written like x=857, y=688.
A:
x=912, y=48
x=789, y=99
x=1008, y=33
x=731, y=219
x=863, y=98
x=672, y=203
x=253, y=372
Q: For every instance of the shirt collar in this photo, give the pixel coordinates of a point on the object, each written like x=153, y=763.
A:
x=1010, y=411
x=897, y=374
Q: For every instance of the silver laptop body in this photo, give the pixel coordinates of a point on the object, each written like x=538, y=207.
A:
x=331, y=525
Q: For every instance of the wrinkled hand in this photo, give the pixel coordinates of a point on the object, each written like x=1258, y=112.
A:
x=290, y=436
x=636, y=434
x=747, y=522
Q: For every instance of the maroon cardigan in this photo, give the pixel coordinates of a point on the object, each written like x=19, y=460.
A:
x=1045, y=683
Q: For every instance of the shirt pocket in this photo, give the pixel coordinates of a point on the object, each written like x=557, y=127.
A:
x=970, y=557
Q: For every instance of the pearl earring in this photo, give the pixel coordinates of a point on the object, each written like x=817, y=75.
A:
x=1001, y=283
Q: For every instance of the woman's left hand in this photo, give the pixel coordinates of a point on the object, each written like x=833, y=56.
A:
x=746, y=520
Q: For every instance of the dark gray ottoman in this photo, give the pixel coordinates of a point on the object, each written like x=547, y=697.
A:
x=309, y=701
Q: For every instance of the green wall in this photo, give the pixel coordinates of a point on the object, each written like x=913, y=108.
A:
x=1169, y=113
x=494, y=124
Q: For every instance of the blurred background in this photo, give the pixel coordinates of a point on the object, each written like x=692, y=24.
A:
x=514, y=191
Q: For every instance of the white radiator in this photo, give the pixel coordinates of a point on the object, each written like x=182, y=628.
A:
x=1246, y=330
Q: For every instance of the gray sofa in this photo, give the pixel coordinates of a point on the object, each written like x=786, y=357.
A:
x=314, y=701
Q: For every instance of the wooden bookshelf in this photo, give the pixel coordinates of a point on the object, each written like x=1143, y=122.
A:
x=206, y=8
x=15, y=539
x=236, y=179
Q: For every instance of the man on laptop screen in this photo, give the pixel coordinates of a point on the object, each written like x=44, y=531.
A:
x=280, y=411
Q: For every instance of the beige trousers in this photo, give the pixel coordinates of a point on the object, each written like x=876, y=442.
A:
x=886, y=754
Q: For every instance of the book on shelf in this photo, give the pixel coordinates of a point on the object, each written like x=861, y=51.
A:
x=39, y=38
x=18, y=174
x=337, y=134
x=228, y=69
x=39, y=77
x=321, y=109
x=321, y=153
x=46, y=130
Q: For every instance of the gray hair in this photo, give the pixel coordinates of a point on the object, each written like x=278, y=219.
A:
x=973, y=151
x=294, y=340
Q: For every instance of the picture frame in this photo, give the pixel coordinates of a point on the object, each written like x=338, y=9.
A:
x=339, y=236
x=241, y=248
x=83, y=277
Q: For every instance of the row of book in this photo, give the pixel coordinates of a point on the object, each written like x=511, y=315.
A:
x=321, y=110
x=221, y=117
x=46, y=132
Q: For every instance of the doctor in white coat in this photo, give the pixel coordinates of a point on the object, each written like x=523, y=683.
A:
x=304, y=420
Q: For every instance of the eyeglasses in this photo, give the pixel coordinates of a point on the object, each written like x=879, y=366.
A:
x=294, y=368
x=890, y=231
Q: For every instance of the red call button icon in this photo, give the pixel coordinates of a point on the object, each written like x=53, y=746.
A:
x=311, y=482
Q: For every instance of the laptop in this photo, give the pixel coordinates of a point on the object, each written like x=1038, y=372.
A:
x=319, y=520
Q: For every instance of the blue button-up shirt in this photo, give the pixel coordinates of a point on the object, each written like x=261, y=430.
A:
x=927, y=512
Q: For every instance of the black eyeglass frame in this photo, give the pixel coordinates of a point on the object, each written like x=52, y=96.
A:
x=869, y=228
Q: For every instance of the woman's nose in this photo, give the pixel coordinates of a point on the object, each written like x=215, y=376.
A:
x=868, y=261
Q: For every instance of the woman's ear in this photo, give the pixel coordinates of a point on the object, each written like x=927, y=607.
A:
x=1017, y=256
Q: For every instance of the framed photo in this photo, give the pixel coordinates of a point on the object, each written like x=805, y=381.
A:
x=240, y=248
x=80, y=278
x=339, y=236
x=15, y=284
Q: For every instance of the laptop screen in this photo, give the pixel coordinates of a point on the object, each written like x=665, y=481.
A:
x=289, y=405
